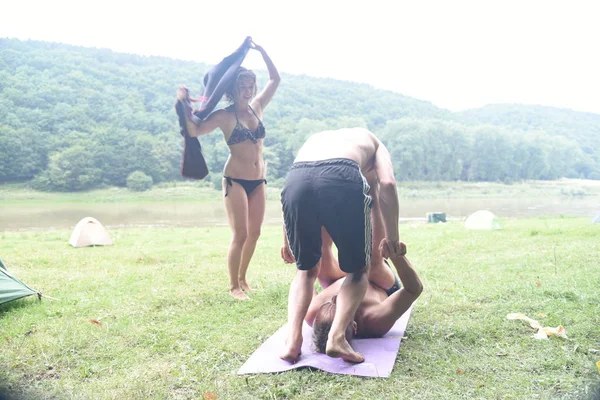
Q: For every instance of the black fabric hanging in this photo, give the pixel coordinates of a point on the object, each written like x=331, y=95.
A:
x=216, y=81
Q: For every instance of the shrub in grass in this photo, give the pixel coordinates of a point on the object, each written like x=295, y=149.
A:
x=139, y=181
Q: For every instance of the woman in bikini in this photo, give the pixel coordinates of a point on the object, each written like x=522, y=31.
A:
x=244, y=173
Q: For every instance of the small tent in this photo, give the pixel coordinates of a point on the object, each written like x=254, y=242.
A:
x=482, y=219
x=89, y=232
x=596, y=219
x=11, y=288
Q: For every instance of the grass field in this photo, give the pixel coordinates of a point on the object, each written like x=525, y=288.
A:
x=199, y=191
x=169, y=329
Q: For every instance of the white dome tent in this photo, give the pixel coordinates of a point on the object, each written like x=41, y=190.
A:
x=89, y=232
x=482, y=219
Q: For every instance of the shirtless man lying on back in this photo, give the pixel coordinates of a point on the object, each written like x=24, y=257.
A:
x=379, y=308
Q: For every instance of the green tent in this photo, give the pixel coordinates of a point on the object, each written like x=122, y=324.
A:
x=11, y=288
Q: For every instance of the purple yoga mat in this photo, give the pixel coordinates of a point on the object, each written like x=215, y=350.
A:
x=380, y=354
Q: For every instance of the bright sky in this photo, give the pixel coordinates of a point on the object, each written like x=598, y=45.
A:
x=457, y=54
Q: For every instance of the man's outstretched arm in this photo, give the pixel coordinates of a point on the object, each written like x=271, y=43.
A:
x=388, y=193
x=383, y=316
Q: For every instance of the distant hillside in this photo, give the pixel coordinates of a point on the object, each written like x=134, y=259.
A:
x=73, y=118
x=582, y=127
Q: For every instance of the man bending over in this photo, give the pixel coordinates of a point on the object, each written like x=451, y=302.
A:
x=326, y=187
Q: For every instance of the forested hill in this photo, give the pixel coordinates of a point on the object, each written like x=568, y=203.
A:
x=583, y=127
x=74, y=118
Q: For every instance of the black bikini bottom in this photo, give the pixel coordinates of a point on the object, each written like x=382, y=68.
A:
x=248, y=185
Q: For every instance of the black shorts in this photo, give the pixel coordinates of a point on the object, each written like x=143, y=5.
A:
x=334, y=194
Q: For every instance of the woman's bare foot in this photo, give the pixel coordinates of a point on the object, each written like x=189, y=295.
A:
x=245, y=287
x=239, y=294
x=342, y=349
x=292, y=350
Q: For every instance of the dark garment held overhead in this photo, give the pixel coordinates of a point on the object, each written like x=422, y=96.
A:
x=216, y=81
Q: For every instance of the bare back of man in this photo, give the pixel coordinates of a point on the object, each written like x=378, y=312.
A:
x=356, y=144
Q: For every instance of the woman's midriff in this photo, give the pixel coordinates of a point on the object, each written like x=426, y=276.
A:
x=245, y=161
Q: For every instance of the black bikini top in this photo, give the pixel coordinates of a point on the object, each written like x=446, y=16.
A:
x=241, y=133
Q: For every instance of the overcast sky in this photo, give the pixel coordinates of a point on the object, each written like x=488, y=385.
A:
x=457, y=54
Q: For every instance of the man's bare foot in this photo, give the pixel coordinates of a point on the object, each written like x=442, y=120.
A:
x=245, y=287
x=342, y=349
x=239, y=294
x=292, y=350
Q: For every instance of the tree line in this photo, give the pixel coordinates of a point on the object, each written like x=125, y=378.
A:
x=74, y=118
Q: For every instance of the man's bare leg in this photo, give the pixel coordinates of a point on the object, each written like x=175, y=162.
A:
x=351, y=294
x=301, y=293
x=380, y=274
x=330, y=268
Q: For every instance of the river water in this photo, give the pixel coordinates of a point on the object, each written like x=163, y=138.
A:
x=212, y=213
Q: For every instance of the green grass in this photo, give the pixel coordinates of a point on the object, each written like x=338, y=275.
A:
x=189, y=190
x=169, y=191
x=171, y=331
x=530, y=189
